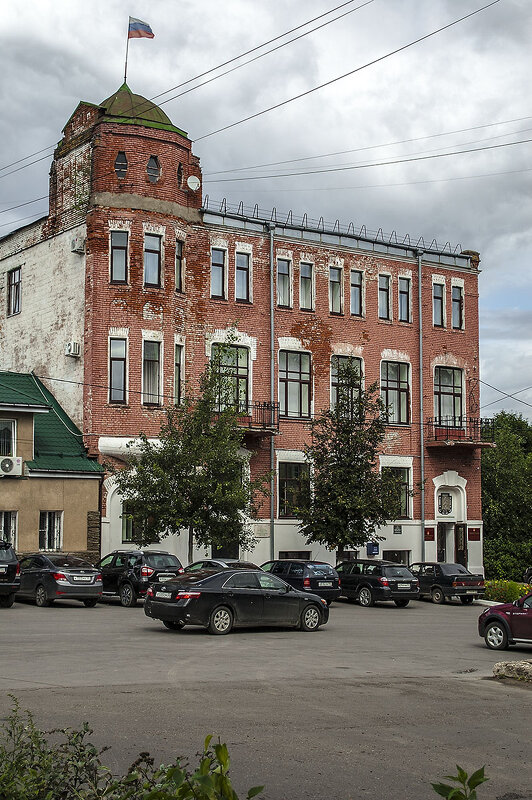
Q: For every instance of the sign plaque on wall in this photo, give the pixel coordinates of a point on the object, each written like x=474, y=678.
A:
x=429, y=534
x=473, y=534
x=397, y=529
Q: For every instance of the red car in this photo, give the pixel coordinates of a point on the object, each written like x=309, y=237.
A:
x=508, y=623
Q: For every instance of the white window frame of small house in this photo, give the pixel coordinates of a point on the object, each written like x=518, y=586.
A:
x=14, y=292
x=57, y=533
x=9, y=527
x=13, y=425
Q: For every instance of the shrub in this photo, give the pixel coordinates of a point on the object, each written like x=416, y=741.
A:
x=506, y=591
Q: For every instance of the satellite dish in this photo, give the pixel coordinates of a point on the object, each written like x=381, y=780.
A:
x=193, y=183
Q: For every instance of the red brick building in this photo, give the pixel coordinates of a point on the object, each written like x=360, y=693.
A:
x=118, y=296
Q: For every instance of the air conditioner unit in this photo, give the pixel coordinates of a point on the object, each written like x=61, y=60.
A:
x=73, y=349
x=10, y=465
x=77, y=244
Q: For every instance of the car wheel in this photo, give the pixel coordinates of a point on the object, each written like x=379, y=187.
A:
x=41, y=597
x=365, y=597
x=437, y=596
x=127, y=594
x=7, y=600
x=310, y=619
x=402, y=602
x=90, y=602
x=220, y=621
x=466, y=601
x=496, y=637
x=173, y=626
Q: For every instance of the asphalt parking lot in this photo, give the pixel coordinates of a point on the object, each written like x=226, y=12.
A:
x=376, y=704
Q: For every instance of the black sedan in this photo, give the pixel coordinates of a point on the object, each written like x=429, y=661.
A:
x=46, y=577
x=220, y=601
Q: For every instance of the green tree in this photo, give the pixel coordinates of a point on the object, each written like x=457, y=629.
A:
x=507, y=498
x=194, y=477
x=350, y=498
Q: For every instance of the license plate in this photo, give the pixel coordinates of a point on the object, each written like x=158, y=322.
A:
x=471, y=591
x=403, y=586
x=82, y=578
x=164, y=595
x=162, y=578
x=324, y=583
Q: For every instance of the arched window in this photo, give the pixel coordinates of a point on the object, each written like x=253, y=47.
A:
x=153, y=169
x=121, y=164
x=180, y=176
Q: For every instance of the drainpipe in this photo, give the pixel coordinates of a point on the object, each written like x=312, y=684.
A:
x=419, y=254
x=271, y=229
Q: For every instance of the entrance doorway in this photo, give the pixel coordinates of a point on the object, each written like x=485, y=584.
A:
x=460, y=544
x=441, y=544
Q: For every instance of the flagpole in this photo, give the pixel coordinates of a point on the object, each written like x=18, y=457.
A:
x=127, y=47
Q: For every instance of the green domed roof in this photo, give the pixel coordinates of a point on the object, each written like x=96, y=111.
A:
x=133, y=109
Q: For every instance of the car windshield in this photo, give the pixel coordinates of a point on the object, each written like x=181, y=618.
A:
x=321, y=569
x=6, y=552
x=68, y=561
x=162, y=560
x=454, y=569
x=397, y=572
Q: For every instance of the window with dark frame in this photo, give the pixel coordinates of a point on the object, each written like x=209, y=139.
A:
x=179, y=175
x=457, y=307
x=129, y=527
x=305, y=286
x=233, y=363
x=403, y=480
x=395, y=392
x=50, y=530
x=151, y=373
x=121, y=164
x=153, y=169
x=335, y=290
x=178, y=373
x=242, y=277
x=152, y=260
x=117, y=370
x=14, y=291
x=337, y=362
x=356, y=293
x=218, y=273
x=7, y=437
x=438, y=305
x=404, y=300
x=294, y=485
x=384, y=297
x=8, y=527
x=294, y=384
x=448, y=396
x=119, y=256
x=178, y=265
x=283, y=283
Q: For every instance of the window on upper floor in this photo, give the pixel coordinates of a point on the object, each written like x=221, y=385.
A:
x=14, y=291
x=384, y=297
x=218, y=273
x=121, y=164
x=242, y=277
x=50, y=530
x=179, y=175
x=404, y=299
x=233, y=365
x=306, y=281
x=153, y=169
x=152, y=260
x=402, y=477
x=395, y=391
x=7, y=437
x=294, y=383
x=448, y=396
x=438, y=305
x=294, y=485
x=335, y=290
x=356, y=293
x=179, y=281
x=178, y=373
x=151, y=373
x=8, y=527
x=283, y=283
x=457, y=307
x=119, y=256
x=339, y=379
x=117, y=370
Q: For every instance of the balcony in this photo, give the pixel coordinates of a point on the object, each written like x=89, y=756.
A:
x=261, y=419
x=467, y=432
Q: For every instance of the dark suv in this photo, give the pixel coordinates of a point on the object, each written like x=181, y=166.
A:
x=307, y=576
x=9, y=575
x=369, y=581
x=128, y=573
x=507, y=623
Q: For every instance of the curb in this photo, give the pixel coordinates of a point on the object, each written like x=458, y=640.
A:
x=488, y=602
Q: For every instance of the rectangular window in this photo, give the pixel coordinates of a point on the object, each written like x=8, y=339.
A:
x=152, y=260
x=128, y=526
x=50, y=530
x=384, y=297
x=337, y=364
x=458, y=307
x=242, y=277
x=14, y=291
x=117, y=370
x=234, y=371
x=395, y=391
x=438, y=305
x=294, y=484
x=356, y=293
x=7, y=437
x=335, y=290
x=305, y=286
x=151, y=373
x=448, y=397
x=404, y=300
x=178, y=373
x=179, y=265
x=283, y=283
x=119, y=256
x=294, y=384
x=8, y=527
x=218, y=273
x=402, y=475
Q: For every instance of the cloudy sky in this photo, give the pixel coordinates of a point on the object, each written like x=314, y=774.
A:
x=464, y=88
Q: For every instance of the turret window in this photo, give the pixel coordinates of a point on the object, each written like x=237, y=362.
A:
x=153, y=169
x=121, y=165
x=180, y=176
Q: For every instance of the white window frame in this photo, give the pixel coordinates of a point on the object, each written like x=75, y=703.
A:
x=152, y=336
x=13, y=436
x=341, y=271
x=460, y=284
x=58, y=532
x=179, y=341
x=225, y=250
x=117, y=333
x=12, y=535
x=362, y=293
x=290, y=280
x=439, y=280
x=389, y=318
x=312, y=266
x=409, y=279
x=245, y=252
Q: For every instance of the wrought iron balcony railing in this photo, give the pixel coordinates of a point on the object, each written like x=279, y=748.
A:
x=260, y=416
x=476, y=431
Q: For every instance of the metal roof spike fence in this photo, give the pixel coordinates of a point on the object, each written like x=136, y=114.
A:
x=273, y=217
x=393, y=237
x=380, y=234
x=406, y=239
x=241, y=208
x=289, y=218
x=336, y=228
x=351, y=229
x=305, y=220
x=420, y=242
x=321, y=225
x=223, y=206
x=363, y=231
x=256, y=210
x=433, y=245
x=206, y=202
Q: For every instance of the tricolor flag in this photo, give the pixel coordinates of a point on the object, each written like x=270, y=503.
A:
x=139, y=29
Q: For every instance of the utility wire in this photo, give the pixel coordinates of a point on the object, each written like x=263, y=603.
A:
x=506, y=395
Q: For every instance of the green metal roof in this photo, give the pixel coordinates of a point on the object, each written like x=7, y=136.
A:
x=132, y=109
x=58, y=442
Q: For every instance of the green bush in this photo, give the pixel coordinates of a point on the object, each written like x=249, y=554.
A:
x=62, y=765
x=506, y=591
x=505, y=558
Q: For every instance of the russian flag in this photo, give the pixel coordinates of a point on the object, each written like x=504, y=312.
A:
x=139, y=29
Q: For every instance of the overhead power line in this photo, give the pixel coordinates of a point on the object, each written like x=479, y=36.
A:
x=506, y=395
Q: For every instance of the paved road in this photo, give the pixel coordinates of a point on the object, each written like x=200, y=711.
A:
x=374, y=705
